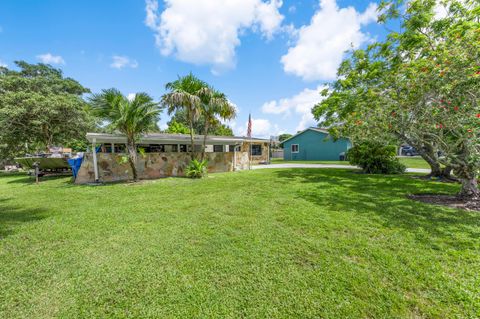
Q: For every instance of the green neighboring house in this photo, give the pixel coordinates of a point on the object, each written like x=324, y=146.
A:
x=314, y=144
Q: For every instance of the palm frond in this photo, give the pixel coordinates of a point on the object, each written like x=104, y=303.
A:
x=129, y=117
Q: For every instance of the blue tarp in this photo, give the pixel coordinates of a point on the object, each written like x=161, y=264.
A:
x=75, y=164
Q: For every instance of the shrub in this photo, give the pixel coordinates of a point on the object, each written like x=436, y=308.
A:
x=196, y=169
x=375, y=158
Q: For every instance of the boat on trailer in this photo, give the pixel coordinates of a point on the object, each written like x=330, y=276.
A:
x=47, y=164
x=56, y=161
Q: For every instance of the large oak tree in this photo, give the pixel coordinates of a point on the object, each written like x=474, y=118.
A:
x=39, y=108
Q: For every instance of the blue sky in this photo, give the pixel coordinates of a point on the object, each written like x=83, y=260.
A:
x=270, y=57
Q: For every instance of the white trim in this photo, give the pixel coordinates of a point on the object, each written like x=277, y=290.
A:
x=291, y=148
x=268, y=150
x=158, y=138
x=95, y=166
x=234, y=158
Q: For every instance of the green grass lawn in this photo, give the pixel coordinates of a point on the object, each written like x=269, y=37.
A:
x=414, y=162
x=304, y=243
x=281, y=161
x=410, y=162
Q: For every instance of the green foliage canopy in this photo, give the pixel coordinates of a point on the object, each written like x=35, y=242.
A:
x=283, y=137
x=421, y=86
x=39, y=108
x=130, y=117
x=175, y=127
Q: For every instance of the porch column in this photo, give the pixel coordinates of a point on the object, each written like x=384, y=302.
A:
x=234, y=157
x=268, y=149
x=95, y=167
x=113, y=148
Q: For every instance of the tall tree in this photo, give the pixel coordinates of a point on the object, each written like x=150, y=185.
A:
x=214, y=105
x=421, y=85
x=130, y=117
x=221, y=130
x=216, y=128
x=175, y=127
x=284, y=136
x=184, y=95
x=40, y=108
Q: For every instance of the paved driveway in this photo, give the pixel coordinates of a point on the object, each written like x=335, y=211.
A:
x=291, y=165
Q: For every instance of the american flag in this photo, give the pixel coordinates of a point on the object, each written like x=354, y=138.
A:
x=249, y=129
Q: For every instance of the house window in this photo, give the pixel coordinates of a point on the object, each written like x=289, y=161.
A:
x=108, y=148
x=120, y=148
x=218, y=148
x=197, y=148
x=183, y=148
x=171, y=148
x=155, y=148
x=294, y=148
x=256, y=150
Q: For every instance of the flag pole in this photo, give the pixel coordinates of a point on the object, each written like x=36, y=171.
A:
x=250, y=155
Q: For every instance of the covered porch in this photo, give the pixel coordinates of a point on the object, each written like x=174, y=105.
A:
x=163, y=155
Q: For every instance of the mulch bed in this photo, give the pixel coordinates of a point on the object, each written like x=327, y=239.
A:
x=448, y=200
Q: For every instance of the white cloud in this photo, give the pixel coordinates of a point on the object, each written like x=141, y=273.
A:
x=163, y=126
x=151, y=8
x=299, y=105
x=120, y=62
x=321, y=45
x=3, y=64
x=208, y=31
x=441, y=10
x=131, y=96
x=49, y=58
x=261, y=128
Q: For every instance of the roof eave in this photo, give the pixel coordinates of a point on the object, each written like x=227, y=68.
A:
x=180, y=139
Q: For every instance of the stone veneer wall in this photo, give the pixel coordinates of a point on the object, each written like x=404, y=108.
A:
x=256, y=159
x=153, y=165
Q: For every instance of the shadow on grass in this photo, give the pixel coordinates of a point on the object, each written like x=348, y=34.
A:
x=12, y=217
x=384, y=198
x=68, y=181
x=29, y=180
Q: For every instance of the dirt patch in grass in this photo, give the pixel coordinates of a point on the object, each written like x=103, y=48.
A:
x=448, y=200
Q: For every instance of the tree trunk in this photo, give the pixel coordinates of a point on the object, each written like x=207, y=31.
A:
x=468, y=178
x=430, y=155
x=469, y=188
x=192, y=143
x=48, y=138
x=447, y=173
x=205, y=139
x=435, y=168
x=132, y=158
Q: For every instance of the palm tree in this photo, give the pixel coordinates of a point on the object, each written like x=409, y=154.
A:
x=184, y=94
x=213, y=104
x=131, y=117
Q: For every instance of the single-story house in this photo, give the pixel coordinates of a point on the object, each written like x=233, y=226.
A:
x=162, y=155
x=314, y=144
